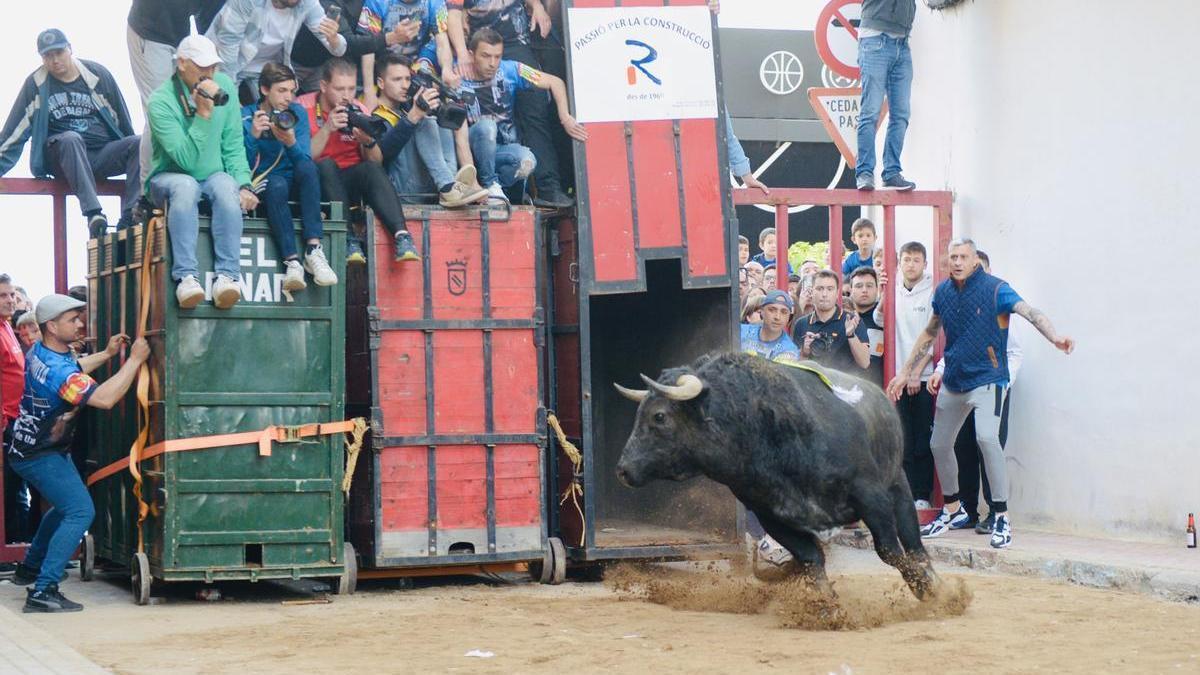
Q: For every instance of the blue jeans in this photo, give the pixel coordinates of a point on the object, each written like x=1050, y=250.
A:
x=182, y=194
x=305, y=185
x=426, y=163
x=54, y=475
x=498, y=162
x=887, y=68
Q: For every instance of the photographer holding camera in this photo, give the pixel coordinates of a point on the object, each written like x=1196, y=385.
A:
x=830, y=335
x=349, y=160
x=196, y=137
x=428, y=163
x=278, y=143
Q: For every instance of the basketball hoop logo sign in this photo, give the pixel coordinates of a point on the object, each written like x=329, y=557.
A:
x=456, y=277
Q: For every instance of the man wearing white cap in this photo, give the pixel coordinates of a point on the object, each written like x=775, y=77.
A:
x=56, y=386
x=197, y=145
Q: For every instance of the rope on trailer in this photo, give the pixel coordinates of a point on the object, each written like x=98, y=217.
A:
x=352, y=449
x=574, y=491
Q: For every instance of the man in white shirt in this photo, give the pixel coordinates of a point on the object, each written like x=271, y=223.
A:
x=971, y=471
x=252, y=33
x=914, y=295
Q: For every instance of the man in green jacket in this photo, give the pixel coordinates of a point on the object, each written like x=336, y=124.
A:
x=196, y=135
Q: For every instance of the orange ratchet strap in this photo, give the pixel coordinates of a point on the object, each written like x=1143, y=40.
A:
x=281, y=434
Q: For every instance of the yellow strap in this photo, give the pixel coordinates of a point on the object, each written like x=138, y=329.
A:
x=352, y=448
x=812, y=369
x=574, y=491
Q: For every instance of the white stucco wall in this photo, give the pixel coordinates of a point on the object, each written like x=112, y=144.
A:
x=1068, y=132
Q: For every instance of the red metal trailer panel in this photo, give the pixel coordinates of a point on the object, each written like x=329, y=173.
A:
x=456, y=375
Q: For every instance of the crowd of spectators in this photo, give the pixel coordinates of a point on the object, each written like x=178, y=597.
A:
x=253, y=104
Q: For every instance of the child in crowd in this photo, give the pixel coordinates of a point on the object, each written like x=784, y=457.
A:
x=766, y=242
x=743, y=250
x=862, y=233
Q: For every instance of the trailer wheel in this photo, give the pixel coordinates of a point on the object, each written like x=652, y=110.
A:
x=348, y=582
x=559, y=553
x=140, y=578
x=87, y=566
x=542, y=570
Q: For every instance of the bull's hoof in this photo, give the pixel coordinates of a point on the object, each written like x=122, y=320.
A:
x=925, y=584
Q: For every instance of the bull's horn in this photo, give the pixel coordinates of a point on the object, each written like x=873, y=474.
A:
x=635, y=395
x=686, y=388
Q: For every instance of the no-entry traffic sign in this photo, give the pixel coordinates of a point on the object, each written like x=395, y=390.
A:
x=837, y=36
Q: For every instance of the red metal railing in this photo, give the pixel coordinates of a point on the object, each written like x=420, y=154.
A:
x=941, y=202
x=58, y=192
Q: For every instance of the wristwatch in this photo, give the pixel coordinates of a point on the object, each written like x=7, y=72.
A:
x=370, y=145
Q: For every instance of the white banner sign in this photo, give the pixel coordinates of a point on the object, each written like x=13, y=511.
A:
x=642, y=63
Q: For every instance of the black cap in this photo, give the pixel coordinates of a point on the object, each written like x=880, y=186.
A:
x=51, y=39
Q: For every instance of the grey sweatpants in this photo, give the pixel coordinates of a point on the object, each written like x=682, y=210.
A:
x=987, y=402
x=70, y=159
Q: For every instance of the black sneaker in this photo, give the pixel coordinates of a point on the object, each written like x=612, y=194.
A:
x=23, y=576
x=405, y=251
x=49, y=601
x=553, y=198
x=985, y=526
x=865, y=182
x=97, y=225
x=899, y=182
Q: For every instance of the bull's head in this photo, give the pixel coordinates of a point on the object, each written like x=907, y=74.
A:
x=668, y=425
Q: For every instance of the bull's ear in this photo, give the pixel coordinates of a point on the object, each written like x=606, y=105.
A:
x=635, y=395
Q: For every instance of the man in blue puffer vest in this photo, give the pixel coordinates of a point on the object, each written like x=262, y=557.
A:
x=973, y=307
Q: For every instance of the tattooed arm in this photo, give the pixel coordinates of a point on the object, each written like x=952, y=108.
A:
x=1041, y=322
x=924, y=343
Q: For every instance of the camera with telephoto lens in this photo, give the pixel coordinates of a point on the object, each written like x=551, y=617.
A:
x=284, y=120
x=452, y=113
x=368, y=124
x=219, y=98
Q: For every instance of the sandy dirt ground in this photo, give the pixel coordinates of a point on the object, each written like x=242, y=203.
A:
x=998, y=625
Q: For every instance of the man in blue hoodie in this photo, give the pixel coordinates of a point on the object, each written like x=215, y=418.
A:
x=76, y=116
x=887, y=70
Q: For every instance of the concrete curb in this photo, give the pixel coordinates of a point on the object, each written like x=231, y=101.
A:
x=1165, y=583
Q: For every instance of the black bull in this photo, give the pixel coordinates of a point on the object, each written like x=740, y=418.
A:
x=801, y=458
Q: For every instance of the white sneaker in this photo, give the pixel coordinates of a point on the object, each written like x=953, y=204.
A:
x=497, y=192
x=317, y=264
x=294, y=279
x=772, y=552
x=189, y=293
x=945, y=522
x=226, y=292
x=1001, y=533
x=922, y=504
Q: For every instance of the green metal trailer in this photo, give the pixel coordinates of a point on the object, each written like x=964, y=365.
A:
x=226, y=511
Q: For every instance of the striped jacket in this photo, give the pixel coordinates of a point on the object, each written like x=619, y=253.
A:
x=29, y=116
